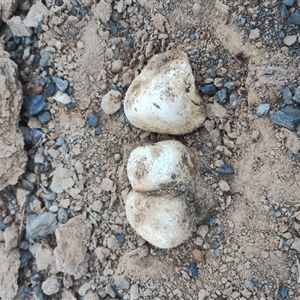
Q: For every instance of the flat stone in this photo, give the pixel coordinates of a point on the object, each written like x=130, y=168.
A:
x=290, y=40
x=296, y=244
x=289, y=117
x=71, y=251
x=9, y=271
x=111, y=102
x=18, y=27
x=39, y=226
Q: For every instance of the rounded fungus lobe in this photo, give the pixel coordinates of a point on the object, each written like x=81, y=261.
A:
x=168, y=195
x=163, y=98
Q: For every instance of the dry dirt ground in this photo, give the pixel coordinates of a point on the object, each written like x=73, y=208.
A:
x=254, y=224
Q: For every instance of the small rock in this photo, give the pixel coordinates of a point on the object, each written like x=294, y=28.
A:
x=18, y=27
x=203, y=294
x=103, y=11
x=93, y=120
x=45, y=259
x=263, y=109
x=197, y=9
x=79, y=167
x=36, y=14
x=297, y=94
x=193, y=270
x=289, y=118
x=84, y=288
x=225, y=170
x=288, y=3
x=44, y=117
x=294, y=18
x=292, y=142
x=71, y=251
x=11, y=236
x=51, y=88
x=255, y=135
x=224, y=186
x=287, y=95
x=35, y=105
x=62, y=97
x=209, y=125
x=209, y=89
x=290, y=40
x=296, y=244
x=60, y=141
x=107, y=184
x=222, y=95
x=61, y=84
x=60, y=179
x=62, y=215
x=211, y=72
x=230, y=85
x=45, y=59
x=120, y=238
x=9, y=270
x=283, y=292
x=134, y=292
x=123, y=283
x=51, y=285
x=199, y=255
x=254, y=34
x=102, y=253
x=111, y=102
x=117, y=66
x=26, y=256
x=39, y=226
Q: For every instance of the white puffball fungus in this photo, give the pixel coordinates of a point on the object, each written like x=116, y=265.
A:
x=163, y=98
x=167, y=193
x=163, y=221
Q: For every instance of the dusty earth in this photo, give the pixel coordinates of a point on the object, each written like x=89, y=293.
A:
x=248, y=245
